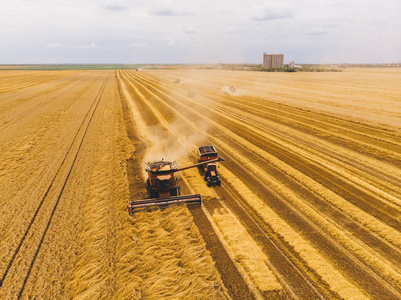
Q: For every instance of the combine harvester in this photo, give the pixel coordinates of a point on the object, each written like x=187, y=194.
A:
x=162, y=186
x=209, y=154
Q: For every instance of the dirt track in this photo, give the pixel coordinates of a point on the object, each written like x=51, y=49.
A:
x=309, y=208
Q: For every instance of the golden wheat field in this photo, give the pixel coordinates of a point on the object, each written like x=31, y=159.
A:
x=309, y=206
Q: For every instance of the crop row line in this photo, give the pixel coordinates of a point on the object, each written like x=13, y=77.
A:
x=282, y=255
x=170, y=100
x=82, y=130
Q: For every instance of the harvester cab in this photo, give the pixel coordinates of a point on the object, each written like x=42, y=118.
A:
x=162, y=186
x=161, y=181
x=208, y=154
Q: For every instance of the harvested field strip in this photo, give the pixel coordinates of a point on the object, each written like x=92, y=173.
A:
x=320, y=148
x=379, y=146
x=244, y=252
x=250, y=266
x=262, y=127
x=321, y=174
x=338, y=283
x=241, y=141
x=294, y=273
x=376, y=143
x=162, y=121
x=171, y=259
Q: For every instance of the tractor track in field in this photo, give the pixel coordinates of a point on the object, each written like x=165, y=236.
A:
x=274, y=249
x=63, y=173
x=357, y=271
x=17, y=118
x=290, y=275
x=287, y=136
x=9, y=122
x=360, y=273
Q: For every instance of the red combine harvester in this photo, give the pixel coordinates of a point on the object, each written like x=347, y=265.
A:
x=163, y=188
x=208, y=154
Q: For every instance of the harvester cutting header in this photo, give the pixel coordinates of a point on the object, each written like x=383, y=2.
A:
x=162, y=186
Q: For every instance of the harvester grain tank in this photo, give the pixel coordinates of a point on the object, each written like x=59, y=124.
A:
x=162, y=186
x=208, y=154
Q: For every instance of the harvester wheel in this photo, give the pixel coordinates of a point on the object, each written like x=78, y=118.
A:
x=152, y=194
x=174, y=192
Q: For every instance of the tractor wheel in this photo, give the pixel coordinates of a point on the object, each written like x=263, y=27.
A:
x=209, y=182
x=218, y=181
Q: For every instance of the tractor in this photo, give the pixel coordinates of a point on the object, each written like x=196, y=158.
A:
x=208, y=154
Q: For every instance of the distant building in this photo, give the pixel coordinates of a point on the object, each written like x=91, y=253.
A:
x=273, y=60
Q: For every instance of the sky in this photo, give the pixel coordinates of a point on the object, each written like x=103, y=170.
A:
x=199, y=32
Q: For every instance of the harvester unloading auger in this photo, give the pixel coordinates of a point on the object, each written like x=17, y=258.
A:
x=162, y=186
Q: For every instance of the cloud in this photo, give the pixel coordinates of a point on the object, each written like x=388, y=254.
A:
x=89, y=46
x=82, y=46
x=115, y=7
x=316, y=30
x=168, y=11
x=140, y=45
x=55, y=45
x=189, y=30
x=272, y=11
x=171, y=42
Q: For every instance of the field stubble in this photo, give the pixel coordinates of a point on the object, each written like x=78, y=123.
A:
x=374, y=221
x=309, y=207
